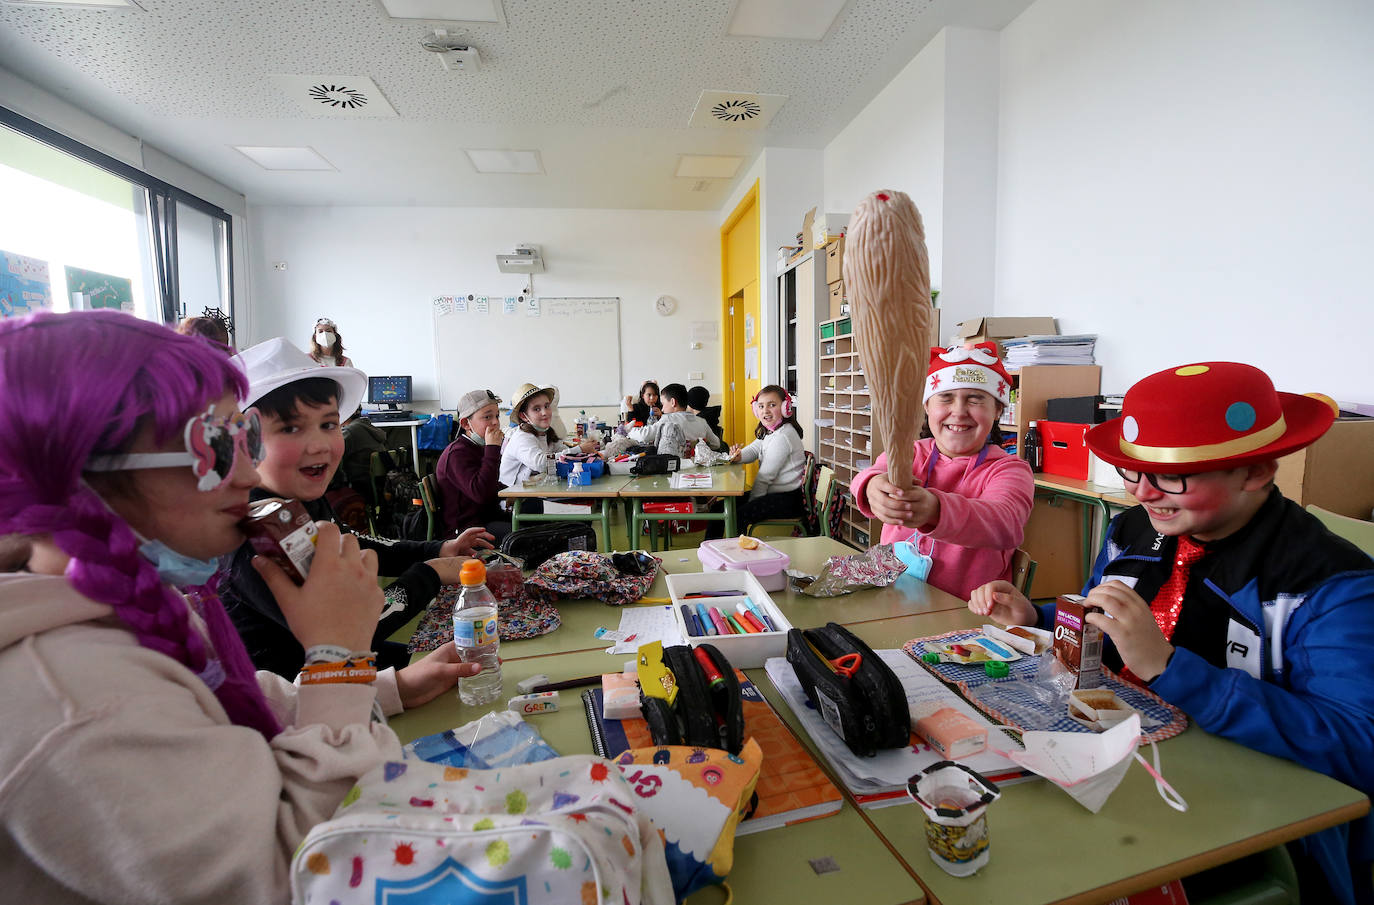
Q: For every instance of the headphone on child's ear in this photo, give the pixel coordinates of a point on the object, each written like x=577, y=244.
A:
x=786, y=402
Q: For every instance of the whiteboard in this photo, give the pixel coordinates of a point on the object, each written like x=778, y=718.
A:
x=498, y=343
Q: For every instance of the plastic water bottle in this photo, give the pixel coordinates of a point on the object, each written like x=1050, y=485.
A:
x=475, y=634
x=1032, y=451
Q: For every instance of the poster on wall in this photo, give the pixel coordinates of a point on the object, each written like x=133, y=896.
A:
x=479, y=305
x=91, y=289
x=508, y=305
x=25, y=286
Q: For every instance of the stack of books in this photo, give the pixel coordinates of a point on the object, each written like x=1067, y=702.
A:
x=1075, y=349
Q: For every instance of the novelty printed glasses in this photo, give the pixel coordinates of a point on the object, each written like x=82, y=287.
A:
x=1164, y=483
x=213, y=442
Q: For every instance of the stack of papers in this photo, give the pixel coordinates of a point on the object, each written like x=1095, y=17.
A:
x=880, y=781
x=1076, y=349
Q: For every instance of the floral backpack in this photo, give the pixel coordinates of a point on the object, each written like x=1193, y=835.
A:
x=558, y=832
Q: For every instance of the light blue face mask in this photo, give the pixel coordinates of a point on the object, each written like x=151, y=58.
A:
x=917, y=563
x=175, y=568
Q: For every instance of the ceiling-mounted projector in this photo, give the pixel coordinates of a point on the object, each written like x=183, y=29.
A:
x=525, y=259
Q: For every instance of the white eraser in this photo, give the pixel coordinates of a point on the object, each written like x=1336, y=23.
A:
x=540, y=702
x=528, y=685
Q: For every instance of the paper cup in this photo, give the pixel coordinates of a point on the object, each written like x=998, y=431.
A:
x=955, y=801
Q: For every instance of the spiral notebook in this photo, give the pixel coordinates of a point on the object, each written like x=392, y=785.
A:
x=792, y=787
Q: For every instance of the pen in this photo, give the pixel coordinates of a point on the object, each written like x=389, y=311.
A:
x=568, y=683
x=706, y=622
x=654, y=600
x=699, y=594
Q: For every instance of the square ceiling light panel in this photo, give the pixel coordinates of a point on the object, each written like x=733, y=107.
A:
x=285, y=158
x=503, y=161
x=736, y=109
x=336, y=96
x=707, y=166
x=784, y=19
x=468, y=12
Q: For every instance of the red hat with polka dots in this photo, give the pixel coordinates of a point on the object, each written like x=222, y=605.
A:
x=1206, y=417
x=974, y=367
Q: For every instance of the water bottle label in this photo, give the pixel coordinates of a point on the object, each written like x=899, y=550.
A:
x=474, y=632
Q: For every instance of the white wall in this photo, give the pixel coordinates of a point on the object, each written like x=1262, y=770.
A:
x=375, y=271
x=1193, y=181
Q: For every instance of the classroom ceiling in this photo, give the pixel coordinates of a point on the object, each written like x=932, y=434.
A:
x=609, y=93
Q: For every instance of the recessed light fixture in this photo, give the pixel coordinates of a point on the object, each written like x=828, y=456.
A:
x=502, y=161
x=783, y=19
x=469, y=12
x=285, y=158
x=79, y=4
x=707, y=166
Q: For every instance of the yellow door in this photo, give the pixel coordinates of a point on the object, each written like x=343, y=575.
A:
x=739, y=253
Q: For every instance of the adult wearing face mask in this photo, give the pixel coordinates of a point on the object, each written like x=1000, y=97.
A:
x=469, y=471
x=326, y=346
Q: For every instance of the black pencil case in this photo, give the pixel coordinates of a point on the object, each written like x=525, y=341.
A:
x=703, y=714
x=652, y=463
x=854, y=691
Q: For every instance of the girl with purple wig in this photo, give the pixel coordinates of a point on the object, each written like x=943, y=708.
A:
x=142, y=759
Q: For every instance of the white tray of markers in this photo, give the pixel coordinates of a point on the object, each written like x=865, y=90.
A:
x=746, y=650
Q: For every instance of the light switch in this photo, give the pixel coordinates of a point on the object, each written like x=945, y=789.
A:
x=695, y=375
x=694, y=345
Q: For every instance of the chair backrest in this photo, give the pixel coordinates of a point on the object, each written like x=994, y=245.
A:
x=829, y=496
x=429, y=496
x=1357, y=531
x=1022, y=571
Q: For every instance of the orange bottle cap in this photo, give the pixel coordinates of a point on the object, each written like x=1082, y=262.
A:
x=472, y=572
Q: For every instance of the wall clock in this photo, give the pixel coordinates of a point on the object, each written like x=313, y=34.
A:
x=665, y=305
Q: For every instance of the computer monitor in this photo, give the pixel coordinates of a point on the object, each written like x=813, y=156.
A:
x=391, y=392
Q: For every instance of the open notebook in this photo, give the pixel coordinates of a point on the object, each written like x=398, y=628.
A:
x=792, y=787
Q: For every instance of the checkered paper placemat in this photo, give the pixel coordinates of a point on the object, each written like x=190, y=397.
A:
x=1159, y=720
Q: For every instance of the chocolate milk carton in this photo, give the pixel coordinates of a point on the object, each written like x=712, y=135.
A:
x=1078, y=644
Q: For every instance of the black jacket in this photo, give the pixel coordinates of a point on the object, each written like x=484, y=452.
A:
x=260, y=621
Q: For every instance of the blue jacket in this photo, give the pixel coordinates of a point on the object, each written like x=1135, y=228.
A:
x=1298, y=679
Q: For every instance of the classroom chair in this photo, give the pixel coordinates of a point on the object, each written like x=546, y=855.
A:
x=803, y=525
x=377, y=468
x=1022, y=571
x=1357, y=531
x=429, y=497
x=830, y=499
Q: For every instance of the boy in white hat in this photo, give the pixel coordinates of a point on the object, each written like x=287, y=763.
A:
x=1229, y=600
x=299, y=403
x=469, y=470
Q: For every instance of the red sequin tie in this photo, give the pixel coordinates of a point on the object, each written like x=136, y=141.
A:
x=1168, y=603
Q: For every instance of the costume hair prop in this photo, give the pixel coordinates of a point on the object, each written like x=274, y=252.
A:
x=131, y=372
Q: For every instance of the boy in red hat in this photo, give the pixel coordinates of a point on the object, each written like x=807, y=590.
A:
x=1229, y=600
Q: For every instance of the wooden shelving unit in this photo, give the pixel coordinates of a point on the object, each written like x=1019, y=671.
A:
x=848, y=446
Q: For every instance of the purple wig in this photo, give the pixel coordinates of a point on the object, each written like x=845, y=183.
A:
x=78, y=385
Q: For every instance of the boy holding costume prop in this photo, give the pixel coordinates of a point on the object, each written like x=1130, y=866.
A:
x=1227, y=599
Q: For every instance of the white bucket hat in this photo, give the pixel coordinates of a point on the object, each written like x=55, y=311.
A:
x=275, y=363
x=525, y=391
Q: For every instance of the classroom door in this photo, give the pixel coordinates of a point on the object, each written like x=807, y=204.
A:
x=739, y=253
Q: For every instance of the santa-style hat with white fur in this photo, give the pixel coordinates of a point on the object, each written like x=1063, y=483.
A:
x=968, y=368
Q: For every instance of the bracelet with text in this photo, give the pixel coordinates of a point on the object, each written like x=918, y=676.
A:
x=358, y=671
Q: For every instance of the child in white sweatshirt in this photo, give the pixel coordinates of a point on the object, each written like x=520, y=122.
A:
x=777, y=491
x=678, y=431
x=534, y=442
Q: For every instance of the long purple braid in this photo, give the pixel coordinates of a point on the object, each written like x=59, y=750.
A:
x=78, y=385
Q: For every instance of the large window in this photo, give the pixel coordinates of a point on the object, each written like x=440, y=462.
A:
x=82, y=230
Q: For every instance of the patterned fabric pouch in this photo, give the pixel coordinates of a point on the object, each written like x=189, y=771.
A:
x=522, y=616
x=585, y=573
x=568, y=830
x=696, y=797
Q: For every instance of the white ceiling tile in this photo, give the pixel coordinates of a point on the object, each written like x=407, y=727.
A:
x=502, y=161
x=486, y=12
x=707, y=166
x=272, y=158
x=785, y=19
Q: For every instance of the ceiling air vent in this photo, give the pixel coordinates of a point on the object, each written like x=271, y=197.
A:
x=736, y=109
x=340, y=96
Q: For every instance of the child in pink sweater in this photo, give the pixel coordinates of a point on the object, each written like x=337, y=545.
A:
x=969, y=507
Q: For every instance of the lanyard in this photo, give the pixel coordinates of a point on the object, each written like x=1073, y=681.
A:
x=935, y=454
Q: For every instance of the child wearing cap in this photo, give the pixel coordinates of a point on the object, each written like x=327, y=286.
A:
x=469, y=470
x=1229, y=600
x=534, y=441
x=967, y=513
x=299, y=403
x=326, y=345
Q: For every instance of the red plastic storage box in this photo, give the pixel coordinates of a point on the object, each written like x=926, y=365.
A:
x=1066, y=452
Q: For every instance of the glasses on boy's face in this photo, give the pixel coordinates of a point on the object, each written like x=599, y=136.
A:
x=1164, y=483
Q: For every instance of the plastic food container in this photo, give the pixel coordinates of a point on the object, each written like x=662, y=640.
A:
x=766, y=563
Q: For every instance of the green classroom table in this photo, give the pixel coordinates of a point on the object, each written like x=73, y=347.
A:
x=1135, y=842
x=601, y=493
x=727, y=482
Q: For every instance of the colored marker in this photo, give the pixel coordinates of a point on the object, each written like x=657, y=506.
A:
x=734, y=623
x=702, y=594
x=749, y=620
x=763, y=616
x=706, y=622
x=722, y=627
x=689, y=621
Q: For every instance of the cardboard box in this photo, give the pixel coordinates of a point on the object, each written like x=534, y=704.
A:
x=826, y=228
x=834, y=257
x=1077, y=642
x=837, y=300
x=1334, y=472
x=980, y=329
x=807, y=220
